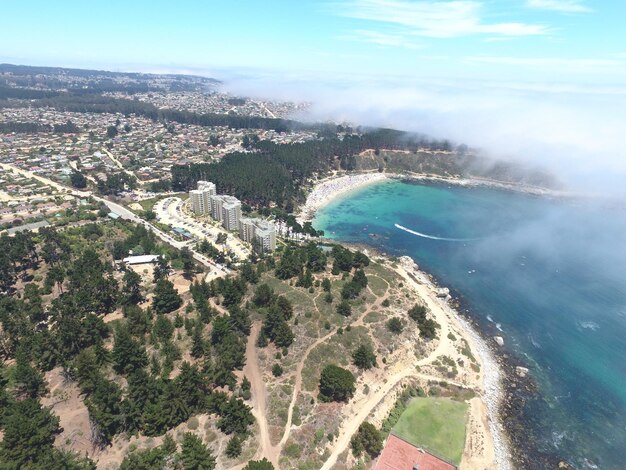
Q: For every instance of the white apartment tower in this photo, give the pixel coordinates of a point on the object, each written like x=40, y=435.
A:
x=246, y=229
x=231, y=212
x=265, y=236
x=201, y=197
x=217, y=202
x=261, y=234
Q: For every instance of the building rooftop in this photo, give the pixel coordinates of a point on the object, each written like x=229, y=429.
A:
x=398, y=454
x=143, y=259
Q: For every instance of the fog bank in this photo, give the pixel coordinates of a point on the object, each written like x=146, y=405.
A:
x=573, y=131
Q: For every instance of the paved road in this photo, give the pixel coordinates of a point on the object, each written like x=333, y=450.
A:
x=215, y=269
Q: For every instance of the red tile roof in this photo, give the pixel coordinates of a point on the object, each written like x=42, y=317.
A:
x=400, y=455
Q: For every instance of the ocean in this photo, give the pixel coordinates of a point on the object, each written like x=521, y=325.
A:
x=548, y=275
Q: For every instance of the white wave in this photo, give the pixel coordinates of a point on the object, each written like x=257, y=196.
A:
x=588, y=325
x=432, y=237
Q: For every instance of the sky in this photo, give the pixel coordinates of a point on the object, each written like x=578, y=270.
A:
x=538, y=81
x=580, y=41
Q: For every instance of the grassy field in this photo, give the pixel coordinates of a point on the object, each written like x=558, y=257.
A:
x=435, y=424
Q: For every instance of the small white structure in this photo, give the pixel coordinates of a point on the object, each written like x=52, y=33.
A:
x=143, y=259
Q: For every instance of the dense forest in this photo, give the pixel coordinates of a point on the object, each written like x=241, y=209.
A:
x=276, y=173
x=54, y=319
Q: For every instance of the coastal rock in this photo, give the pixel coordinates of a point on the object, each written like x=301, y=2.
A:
x=443, y=292
x=521, y=371
x=499, y=340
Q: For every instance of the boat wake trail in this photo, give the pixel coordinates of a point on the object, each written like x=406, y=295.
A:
x=432, y=237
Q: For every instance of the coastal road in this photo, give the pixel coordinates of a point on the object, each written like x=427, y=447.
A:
x=215, y=269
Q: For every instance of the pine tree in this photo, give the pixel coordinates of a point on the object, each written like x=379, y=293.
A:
x=166, y=298
x=233, y=448
x=132, y=287
x=364, y=357
x=29, y=432
x=198, y=345
x=195, y=455
x=128, y=355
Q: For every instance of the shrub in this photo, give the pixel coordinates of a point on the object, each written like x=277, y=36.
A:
x=277, y=370
x=395, y=325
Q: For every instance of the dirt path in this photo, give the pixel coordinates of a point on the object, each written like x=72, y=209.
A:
x=358, y=412
x=259, y=398
x=360, y=409
x=298, y=387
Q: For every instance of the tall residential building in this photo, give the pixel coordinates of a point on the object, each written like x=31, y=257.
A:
x=265, y=236
x=246, y=229
x=231, y=212
x=198, y=205
x=201, y=197
x=261, y=234
x=216, y=206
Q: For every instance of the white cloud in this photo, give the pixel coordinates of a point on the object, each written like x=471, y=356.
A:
x=563, y=6
x=383, y=39
x=546, y=61
x=437, y=19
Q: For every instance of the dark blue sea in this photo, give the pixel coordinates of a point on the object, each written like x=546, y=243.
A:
x=548, y=275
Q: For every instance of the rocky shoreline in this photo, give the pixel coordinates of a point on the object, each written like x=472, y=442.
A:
x=507, y=383
x=492, y=373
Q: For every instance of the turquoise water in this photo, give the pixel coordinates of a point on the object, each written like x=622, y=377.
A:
x=550, y=274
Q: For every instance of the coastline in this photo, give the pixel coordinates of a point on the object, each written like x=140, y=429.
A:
x=340, y=184
x=491, y=374
x=491, y=382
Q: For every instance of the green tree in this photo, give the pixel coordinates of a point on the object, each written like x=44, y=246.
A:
x=417, y=313
x=197, y=342
x=195, y=455
x=128, y=355
x=428, y=328
x=78, y=180
x=132, y=287
x=233, y=448
x=166, y=298
x=105, y=410
x=263, y=295
x=161, y=269
x=29, y=432
x=326, y=284
x=285, y=306
x=28, y=381
x=344, y=308
x=395, y=325
x=163, y=328
x=259, y=465
x=235, y=417
x=336, y=384
x=150, y=459
x=189, y=265
x=364, y=357
x=368, y=439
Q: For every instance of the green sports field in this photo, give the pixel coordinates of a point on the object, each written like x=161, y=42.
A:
x=435, y=424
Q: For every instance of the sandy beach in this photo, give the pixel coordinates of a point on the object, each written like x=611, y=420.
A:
x=330, y=188
x=486, y=444
x=340, y=184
